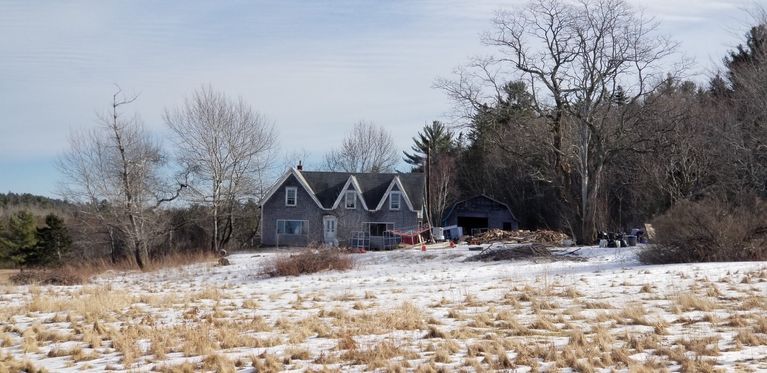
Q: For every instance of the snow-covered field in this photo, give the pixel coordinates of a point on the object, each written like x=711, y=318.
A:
x=396, y=311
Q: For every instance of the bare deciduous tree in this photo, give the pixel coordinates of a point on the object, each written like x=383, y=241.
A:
x=225, y=146
x=443, y=188
x=576, y=57
x=367, y=148
x=114, y=171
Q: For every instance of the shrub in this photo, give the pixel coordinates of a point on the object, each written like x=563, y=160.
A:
x=59, y=276
x=308, y=261
x=709, y=231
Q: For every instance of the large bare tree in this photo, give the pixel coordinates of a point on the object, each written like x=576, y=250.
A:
x=114, y=171
x=577, y=58
x=225, y=146
x=367, y=148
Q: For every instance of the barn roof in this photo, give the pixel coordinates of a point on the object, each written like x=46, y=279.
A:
x=452, y=208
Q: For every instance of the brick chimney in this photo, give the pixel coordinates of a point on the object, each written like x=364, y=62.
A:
x=300, y=167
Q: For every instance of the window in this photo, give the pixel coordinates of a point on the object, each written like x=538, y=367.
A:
x=351, y=199
x=290, y=196
x=292, y=227
x=378, y=229
x=394, y=200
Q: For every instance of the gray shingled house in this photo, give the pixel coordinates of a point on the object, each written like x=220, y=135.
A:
x=339, y=207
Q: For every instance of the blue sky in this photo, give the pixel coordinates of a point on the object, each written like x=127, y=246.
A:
x=313, y=67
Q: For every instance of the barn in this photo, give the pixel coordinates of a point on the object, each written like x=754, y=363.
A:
x=480, y=213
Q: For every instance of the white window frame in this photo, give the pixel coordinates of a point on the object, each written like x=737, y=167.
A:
x=295, y=196
x=304, y=227
x=354, y=199
x=391, y=200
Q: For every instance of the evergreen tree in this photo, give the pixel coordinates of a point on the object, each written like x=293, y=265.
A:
x=619, y=96
x=751, y=54
x=53, y=242
x=19, y=240
x=434, y=139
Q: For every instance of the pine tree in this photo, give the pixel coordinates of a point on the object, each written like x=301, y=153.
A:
x=19, y=240
x=750, y=55
x=434, y=139
x=53, y=242
x=619, y=96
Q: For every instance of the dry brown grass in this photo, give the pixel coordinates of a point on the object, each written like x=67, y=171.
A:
x=692, y=302
x=185, y=367
x=704, y=346
x=642, y=342
x=749, y=338
x=551, y=328
x=753, y=302
x=435, y=332
x=405, y=317
x=9, y=363
x=79, y=273
x=571, y=292
x=596, y=305
x=635, y=313
x=346, y=342
x=455, y=314
x=378, y=355
x=266, y=363
x=543, y=323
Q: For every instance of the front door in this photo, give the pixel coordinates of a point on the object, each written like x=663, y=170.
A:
x=329, y=223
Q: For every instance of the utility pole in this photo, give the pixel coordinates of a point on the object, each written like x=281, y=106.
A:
x=428, y=189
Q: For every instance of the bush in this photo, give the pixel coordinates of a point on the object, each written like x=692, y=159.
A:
x=710, y=231
x=308, y=261
x=61, y=276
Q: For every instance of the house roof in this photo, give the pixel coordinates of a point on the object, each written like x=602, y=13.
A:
x=327, y=186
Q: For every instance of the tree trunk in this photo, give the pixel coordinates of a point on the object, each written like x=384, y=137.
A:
x=214, y=245
x=142, y=255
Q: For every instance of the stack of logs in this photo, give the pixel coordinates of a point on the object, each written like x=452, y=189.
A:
x=545, y=237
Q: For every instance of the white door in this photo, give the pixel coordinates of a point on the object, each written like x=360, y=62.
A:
x=329, y=222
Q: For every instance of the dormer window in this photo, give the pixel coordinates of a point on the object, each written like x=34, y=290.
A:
x=290, y=196
x=350, y=199
x=394, y=200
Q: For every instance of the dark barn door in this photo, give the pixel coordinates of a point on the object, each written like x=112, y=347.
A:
x=469, y=224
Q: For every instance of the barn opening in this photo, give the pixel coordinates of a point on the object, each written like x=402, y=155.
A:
x=472, y=225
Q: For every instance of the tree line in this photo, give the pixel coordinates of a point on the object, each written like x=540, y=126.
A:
x=581, y=119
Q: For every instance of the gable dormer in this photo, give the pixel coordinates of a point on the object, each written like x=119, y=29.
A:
x=351, y=196
x=401, y=199
x=291, y=189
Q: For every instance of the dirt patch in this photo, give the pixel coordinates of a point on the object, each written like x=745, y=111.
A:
x=5, y=275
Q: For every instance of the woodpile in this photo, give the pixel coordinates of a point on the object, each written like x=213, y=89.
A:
x=500, y=252
x=545, y=237
x=533, y=252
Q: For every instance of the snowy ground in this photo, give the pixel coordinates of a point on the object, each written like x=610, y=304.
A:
x=399, y=310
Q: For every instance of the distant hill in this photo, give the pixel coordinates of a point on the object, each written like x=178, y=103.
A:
x=39, y=205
